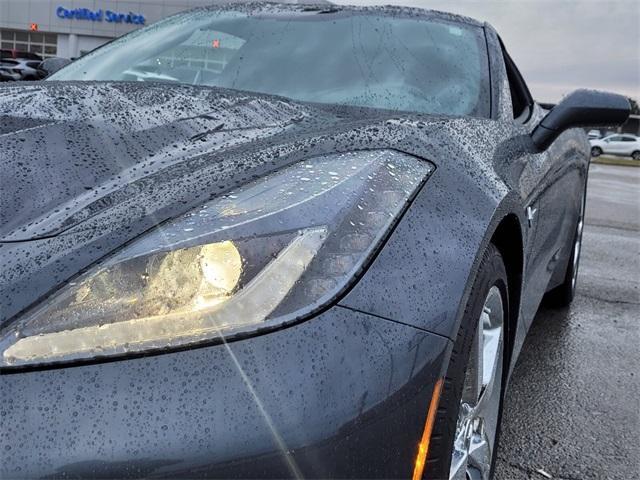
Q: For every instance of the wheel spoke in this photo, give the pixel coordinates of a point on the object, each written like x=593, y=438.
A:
x=479, y=451
x=480, y=456
x=459, y=464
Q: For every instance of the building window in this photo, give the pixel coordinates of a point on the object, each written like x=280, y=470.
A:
x=43, y=44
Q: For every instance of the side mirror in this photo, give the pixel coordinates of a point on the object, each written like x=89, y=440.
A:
x=582, y=108
x=50, y=66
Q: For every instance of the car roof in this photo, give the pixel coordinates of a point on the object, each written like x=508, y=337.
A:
x=327, y=7
x=630, y=135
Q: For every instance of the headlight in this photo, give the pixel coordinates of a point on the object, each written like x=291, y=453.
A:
x=264, y=255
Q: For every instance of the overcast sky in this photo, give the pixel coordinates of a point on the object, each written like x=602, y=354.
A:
x=558, y=45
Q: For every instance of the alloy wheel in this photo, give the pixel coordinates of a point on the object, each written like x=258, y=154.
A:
x=477, y=422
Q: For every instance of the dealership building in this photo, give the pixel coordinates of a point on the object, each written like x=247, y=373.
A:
x=71, y=28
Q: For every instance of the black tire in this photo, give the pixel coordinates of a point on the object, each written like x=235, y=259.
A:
x=636, y=155
x=491, y=273
x=596, y=151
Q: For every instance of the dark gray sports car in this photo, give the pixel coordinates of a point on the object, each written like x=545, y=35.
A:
x=280, y=241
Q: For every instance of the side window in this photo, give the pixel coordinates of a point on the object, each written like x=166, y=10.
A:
x=520, y=97
x=615, y=138
x=628, y=139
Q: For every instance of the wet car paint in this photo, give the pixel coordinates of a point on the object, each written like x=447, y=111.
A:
x=230, y=409
x=184, y=145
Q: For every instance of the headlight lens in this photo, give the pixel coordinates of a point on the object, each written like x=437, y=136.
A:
x=264, y=255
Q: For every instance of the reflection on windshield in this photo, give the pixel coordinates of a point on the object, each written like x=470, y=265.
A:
x=347, y=58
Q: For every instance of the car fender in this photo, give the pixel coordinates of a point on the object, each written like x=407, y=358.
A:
x=423, y=275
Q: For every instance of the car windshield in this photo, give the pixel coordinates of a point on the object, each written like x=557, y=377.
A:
x=401, y=63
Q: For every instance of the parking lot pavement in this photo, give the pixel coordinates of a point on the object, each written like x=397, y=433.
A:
x=573, y=406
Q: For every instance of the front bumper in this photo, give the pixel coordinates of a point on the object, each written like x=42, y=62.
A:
x=344, y=394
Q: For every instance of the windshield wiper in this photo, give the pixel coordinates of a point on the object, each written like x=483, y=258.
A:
x=201, y=135
x=321, y=10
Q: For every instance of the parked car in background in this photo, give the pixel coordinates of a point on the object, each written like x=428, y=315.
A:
x=17, y=65
x=593, y=134
x=623, y=144
x=6, y=69
x=7, y=75
x=49, y=66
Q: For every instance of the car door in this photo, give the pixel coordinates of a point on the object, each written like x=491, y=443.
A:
x=614, y=144
x=551, y=185
x=526, y=176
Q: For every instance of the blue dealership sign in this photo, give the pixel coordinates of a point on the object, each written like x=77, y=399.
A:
x=99, y=15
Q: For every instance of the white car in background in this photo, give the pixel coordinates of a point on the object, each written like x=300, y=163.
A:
x=623, y=144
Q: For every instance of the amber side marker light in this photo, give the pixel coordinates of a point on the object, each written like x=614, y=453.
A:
x=423, y=446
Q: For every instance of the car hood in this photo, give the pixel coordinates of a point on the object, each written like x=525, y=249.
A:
x=70, y=151
x=87, y=167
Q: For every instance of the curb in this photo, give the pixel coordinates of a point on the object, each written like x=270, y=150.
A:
x=624, y=162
